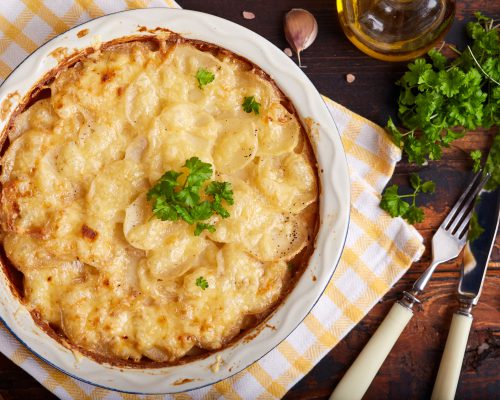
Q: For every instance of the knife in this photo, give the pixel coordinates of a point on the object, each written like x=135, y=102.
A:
x=476, y=256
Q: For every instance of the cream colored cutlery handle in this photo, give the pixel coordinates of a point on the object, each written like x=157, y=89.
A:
x=453, y=357
x=361, y=373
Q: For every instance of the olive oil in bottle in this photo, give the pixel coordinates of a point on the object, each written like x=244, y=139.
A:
x=395, y=30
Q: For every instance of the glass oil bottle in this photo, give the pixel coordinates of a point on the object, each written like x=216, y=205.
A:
x=395, y=30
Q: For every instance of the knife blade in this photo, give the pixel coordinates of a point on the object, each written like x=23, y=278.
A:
x=477, y=253
x=474, y=267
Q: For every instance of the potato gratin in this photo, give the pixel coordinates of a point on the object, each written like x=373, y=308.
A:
x=99, y=267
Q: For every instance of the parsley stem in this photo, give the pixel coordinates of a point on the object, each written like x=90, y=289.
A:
x=408, y=133
x=442, y=45
x=481, y=68
x=453, y=48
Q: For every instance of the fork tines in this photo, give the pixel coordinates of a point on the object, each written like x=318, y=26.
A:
x=456, y=223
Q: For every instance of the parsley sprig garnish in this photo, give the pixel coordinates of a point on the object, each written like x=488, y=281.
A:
x=204, y=77
x=250, y=105
x=173, y=200
x=396, y=206
x=202, y=283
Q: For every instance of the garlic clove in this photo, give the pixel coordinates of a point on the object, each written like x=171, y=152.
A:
x=301, y=30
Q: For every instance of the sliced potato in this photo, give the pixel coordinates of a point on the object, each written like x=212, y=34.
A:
x=169, y=149
x=280, y=133
x=176, y=254
x=136, y=149
x=114, y=188
x=287, y=181
x=141, y=101
x=188, y=118
x=264, y=232
x=189, y=60
x=141, y=229
x=281, y=241
x=235, y=147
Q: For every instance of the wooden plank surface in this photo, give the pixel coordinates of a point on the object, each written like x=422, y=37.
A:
x=410, y=370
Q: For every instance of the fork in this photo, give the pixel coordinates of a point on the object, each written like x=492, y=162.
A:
x=447, y=243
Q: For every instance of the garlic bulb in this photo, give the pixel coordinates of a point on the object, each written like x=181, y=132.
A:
x=301, y=30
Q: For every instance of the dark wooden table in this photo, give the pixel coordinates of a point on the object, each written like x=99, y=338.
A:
x=410, y=369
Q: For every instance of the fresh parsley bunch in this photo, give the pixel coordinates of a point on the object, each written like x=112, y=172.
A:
x=173, y=200
x=441, y=99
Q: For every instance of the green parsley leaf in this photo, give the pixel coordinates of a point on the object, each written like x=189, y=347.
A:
x=428, y=187
x=202, y=211
x=204, y=77
x=183, y=212
x=219, y=209
x=476, y=156
x=199, y=172
x=438, y=60
x=415, y=181
x=396, y=206
x=164, y=211
x=450, y=82
x=475, y=230
x=393, y=203
x=165, y=185
x=188, y=196
x=200, y=227
x=417, y=68
x=414, y=215
x=174, y=198
x=395, y=133
x=201, y=282
x=492, y=165
x=250, y=104
x=221, y=189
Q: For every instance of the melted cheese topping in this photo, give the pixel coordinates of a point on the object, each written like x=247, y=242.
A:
x=77, y=224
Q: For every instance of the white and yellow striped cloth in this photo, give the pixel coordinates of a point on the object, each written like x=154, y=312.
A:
x=378, y=251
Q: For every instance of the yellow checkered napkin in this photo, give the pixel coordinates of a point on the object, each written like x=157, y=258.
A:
x=378, y=251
